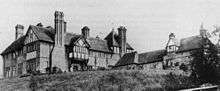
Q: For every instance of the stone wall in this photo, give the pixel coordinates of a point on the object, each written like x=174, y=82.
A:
x=114, y=59
x=155, y=65
x=174, y=61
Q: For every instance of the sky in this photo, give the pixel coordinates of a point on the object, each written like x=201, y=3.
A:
x=148, y=22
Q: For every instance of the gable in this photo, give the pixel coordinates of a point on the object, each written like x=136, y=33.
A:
x=81, y=42
x=30, y=36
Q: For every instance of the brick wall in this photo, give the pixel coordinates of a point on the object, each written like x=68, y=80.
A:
x=58, y=58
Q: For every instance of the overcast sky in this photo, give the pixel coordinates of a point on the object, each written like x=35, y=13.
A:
x=148, y=22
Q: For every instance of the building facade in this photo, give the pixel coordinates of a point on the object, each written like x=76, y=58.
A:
x=42, y=49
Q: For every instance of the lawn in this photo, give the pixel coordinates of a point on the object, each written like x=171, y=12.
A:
x=114, y=80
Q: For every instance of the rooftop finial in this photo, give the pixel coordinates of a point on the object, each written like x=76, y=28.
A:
x=113, y=27
x=201, y=26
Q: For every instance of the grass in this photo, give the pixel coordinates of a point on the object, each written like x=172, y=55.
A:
x=115, y=80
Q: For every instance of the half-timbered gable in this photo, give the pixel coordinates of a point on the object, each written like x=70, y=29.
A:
x=80, y=49
x=30, y=36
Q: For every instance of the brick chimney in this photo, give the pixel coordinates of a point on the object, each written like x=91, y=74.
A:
x=59, y=25
x=122, y=40
x=19, y=29
x=58, y=55
x=85, y=32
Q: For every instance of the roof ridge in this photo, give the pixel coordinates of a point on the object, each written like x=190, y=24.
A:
x=190, y=37
x=153, y=51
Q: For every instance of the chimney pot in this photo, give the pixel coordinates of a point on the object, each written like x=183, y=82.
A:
x=85, y=31
x=18, y=31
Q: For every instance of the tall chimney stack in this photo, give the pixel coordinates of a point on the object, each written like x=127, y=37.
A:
x=19, y=29
x=122, y=40
x=58, y=56
x=85, y=32
x=59, y=28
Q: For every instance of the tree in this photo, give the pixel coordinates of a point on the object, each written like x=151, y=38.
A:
x=204, y=64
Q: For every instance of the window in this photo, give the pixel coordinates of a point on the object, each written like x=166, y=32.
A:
x=75, y=48
x=7, y=70
x=80, y=49
x=35, y=47
x=13, y=55
x=70, y=55
x=75, y=55
x=83, y=56
x=47, y=64
x=104, y=55
x=20, y=66
x=13, y=71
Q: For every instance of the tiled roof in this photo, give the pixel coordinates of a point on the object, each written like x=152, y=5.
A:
x=127, y=59
x=44, y=34
x=16, y=45
x=152, y=56
x=193, y=42
x=98, y=44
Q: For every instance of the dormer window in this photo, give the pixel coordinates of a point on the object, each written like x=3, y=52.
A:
x=70, y=55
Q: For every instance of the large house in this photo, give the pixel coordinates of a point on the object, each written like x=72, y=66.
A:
x=47, y=48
